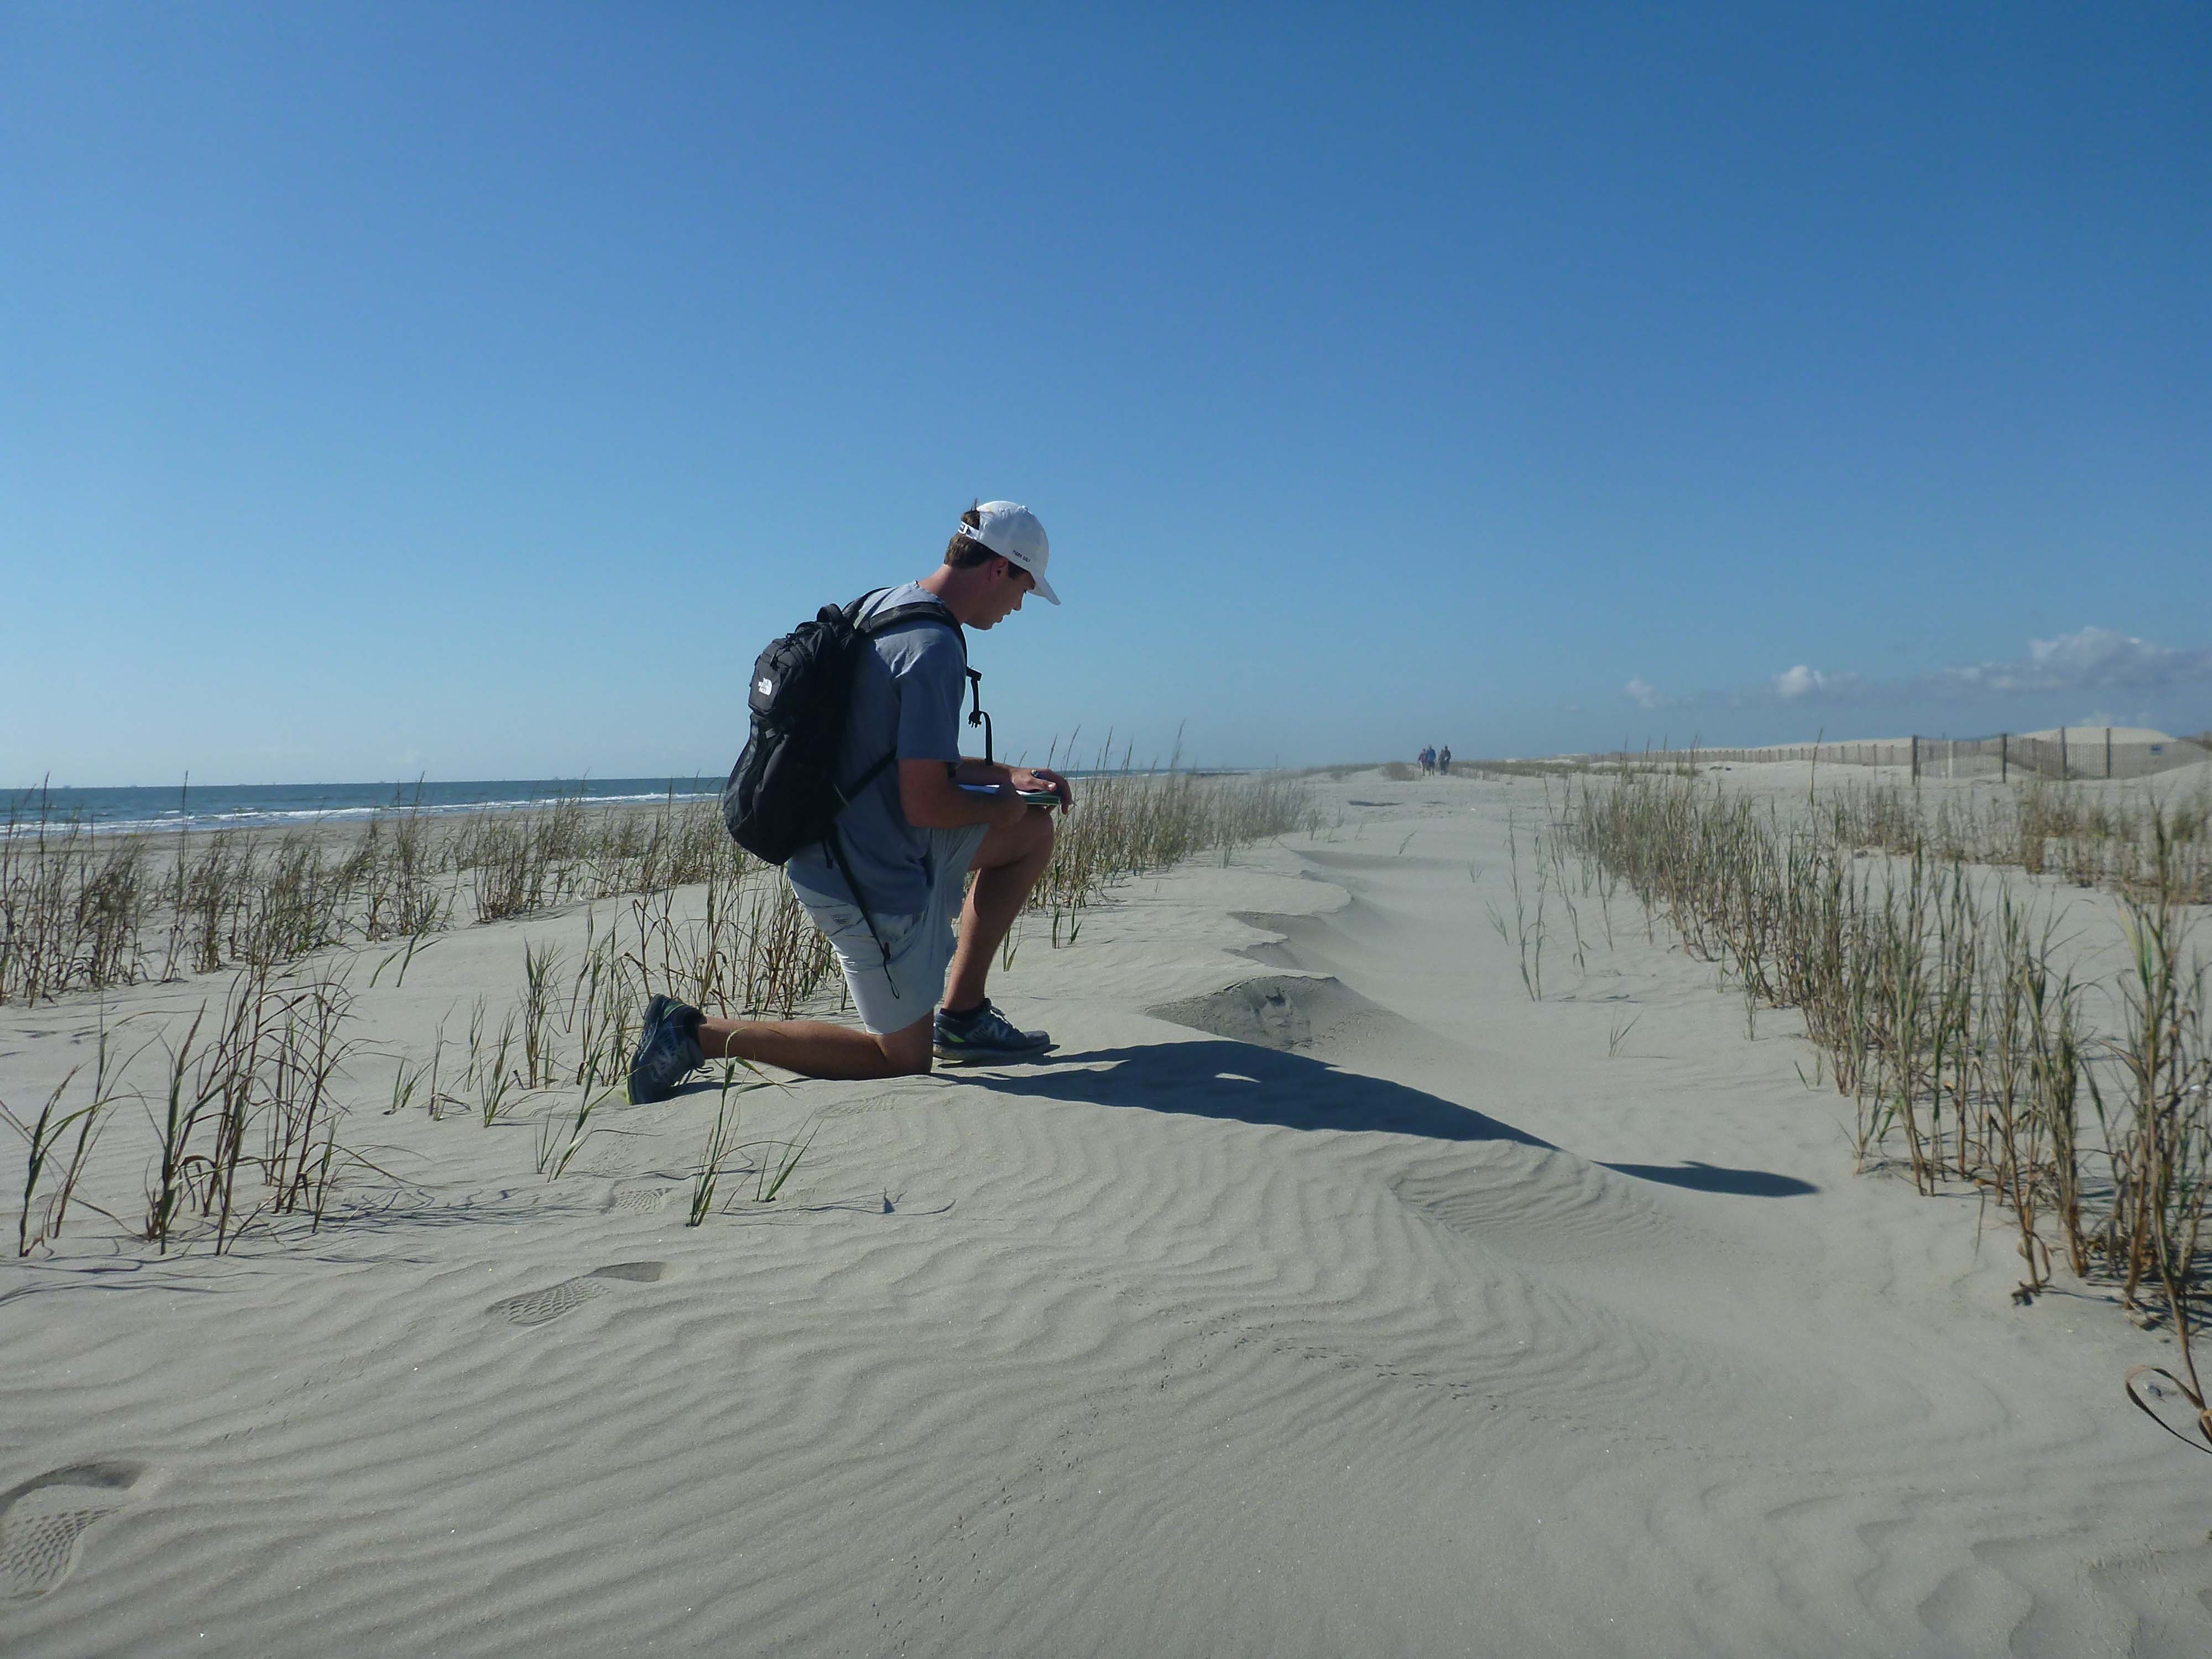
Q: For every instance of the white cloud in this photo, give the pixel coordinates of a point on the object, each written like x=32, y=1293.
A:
x=2090, y=658
x=2098, y=652
x=2101, y=665
x=1799, y=682
x=1794, y=685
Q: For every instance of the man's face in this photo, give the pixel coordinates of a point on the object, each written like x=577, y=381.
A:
x=1009, y=584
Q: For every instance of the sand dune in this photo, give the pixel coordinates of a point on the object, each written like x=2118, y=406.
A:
x=2089, y=734
x=1324, y=1295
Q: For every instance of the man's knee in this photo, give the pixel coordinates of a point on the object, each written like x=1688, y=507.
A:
x=912, y=1051
x=1029, y=840
x=1032, y=849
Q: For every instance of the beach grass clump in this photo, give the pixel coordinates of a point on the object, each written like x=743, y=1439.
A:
x=1526, y=931
x=74, y=908
x=520, y=863
x=2159, y=1129
x=80, y=910
x=540, y=964
x=598, y=1015
x=246, y=1125
x=50, y=1178
x=2137, y=843
x=1129, y=820
x=715, y=1159
x=1938, y=999
x=557, y=1149
x=750, y=953
x=491, y=1065
x=743, y=948
x=301, y=1108
x=247, y=1118
x=772, y=1171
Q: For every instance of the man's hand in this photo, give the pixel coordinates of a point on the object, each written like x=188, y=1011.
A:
x=1040, y=778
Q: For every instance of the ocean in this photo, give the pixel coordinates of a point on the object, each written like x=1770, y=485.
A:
x=249, y=805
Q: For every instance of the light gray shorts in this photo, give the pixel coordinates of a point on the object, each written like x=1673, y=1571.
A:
x=890, y=996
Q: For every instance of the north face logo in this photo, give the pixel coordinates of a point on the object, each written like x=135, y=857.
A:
x=766, y=687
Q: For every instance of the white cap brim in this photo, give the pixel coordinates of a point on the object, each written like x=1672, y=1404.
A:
x=1043, y=588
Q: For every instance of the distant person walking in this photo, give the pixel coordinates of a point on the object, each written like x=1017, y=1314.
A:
x=1428, y=759
x=1443, y=760
x=908, y=839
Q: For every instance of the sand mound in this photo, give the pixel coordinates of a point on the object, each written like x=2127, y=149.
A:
x=2089, y=734
x=1279, y=1012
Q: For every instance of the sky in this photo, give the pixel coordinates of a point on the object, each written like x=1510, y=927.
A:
x=473, y=391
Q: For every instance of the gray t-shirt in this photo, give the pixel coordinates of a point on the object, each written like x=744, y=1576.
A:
x=906, y=698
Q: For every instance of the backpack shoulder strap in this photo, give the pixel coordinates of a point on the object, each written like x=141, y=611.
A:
x=852, y=611
x=898, y=615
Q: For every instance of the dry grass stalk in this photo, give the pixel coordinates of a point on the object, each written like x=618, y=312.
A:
x=1129, y=820
x=80, y=910
x=260, y=1097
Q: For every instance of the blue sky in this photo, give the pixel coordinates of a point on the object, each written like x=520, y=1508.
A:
x=474, y=390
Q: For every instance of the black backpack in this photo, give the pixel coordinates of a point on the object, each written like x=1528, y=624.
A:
x=783, y=793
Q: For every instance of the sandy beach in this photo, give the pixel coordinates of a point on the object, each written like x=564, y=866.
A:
x=1323, y=1294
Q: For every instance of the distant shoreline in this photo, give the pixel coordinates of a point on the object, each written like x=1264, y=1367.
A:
x=144, y=810
x=155, y=810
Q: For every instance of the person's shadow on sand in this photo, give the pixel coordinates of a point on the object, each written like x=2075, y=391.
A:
x=1718, y=1178
x=1244, y=1083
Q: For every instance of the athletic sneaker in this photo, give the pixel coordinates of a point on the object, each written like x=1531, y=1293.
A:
x=667, y=1050
x=985, y=1035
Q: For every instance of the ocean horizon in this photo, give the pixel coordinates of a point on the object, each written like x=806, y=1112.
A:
x=252, y=805
x=146, y=808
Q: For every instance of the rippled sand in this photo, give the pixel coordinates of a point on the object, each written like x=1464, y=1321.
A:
x=1322, y=1295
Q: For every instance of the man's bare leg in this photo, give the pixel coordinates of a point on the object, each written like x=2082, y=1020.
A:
x=1006, y=865
x=814, y=1048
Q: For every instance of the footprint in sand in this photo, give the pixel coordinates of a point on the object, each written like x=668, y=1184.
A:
x=639, y=1198
x=540, y=1307
x=42, y=1519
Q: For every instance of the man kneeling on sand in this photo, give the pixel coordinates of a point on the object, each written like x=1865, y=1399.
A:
x=910, y=839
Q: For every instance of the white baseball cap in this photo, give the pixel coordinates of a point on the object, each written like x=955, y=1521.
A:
x=1011, y=531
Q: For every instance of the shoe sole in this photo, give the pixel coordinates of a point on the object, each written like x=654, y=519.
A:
x=962, y=1056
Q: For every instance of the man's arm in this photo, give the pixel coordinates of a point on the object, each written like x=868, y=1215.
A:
x=1033, y=778
x=930, y=797
x=931, y=768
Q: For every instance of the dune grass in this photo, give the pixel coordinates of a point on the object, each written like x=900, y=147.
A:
x=80, y=910
x=1129, y=819
x=556, y=1150
x=1939, y=1000
x=43, y=1137
x=246, y=1117
x=259, y=1098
